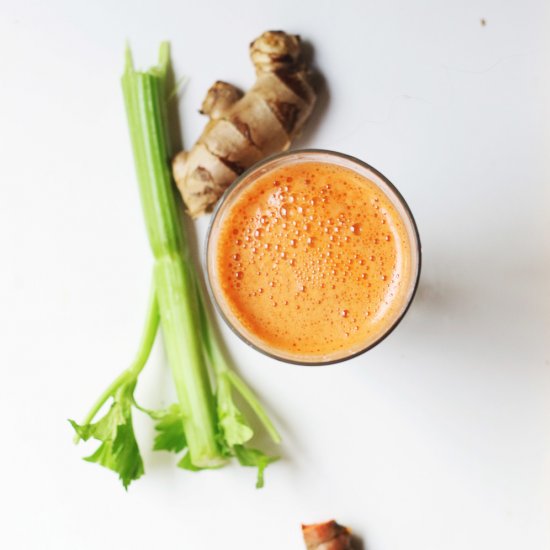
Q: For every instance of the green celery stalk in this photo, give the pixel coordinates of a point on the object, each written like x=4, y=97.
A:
x=205, y=423
x=144, y=94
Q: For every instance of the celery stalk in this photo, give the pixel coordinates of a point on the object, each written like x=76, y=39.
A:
x=206, y=422
x=144, y=96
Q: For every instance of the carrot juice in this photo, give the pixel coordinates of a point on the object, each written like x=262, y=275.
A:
x=311, y=260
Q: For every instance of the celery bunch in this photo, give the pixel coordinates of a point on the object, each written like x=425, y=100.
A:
x=206, y=425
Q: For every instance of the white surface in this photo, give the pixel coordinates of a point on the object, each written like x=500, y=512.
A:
x=436, y=440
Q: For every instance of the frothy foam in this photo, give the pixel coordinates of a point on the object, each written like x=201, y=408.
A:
x=313, y=258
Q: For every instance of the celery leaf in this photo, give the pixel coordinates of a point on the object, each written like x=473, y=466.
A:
x=235, y=428
x=119, y=450
x=254, y=457
x=170, y=436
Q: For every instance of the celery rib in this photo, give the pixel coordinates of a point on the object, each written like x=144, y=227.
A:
x=131, y=373
x=143, y=93
x=206, y=421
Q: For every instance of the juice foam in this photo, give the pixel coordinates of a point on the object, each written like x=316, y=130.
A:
x=313, y=258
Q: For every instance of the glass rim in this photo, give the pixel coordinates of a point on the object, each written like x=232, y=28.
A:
x=415, y=245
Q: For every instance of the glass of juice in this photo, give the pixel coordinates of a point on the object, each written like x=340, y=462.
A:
x=312, y=257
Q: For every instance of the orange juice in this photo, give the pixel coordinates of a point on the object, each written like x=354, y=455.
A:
x=312, y=262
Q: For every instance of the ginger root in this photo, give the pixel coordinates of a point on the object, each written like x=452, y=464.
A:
x=243, y=129
x=326, y=536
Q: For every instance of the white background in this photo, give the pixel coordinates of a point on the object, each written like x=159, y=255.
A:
x=439, y=439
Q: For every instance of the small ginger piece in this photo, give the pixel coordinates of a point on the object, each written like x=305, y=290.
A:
x=327, y=536
x=243, y=129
